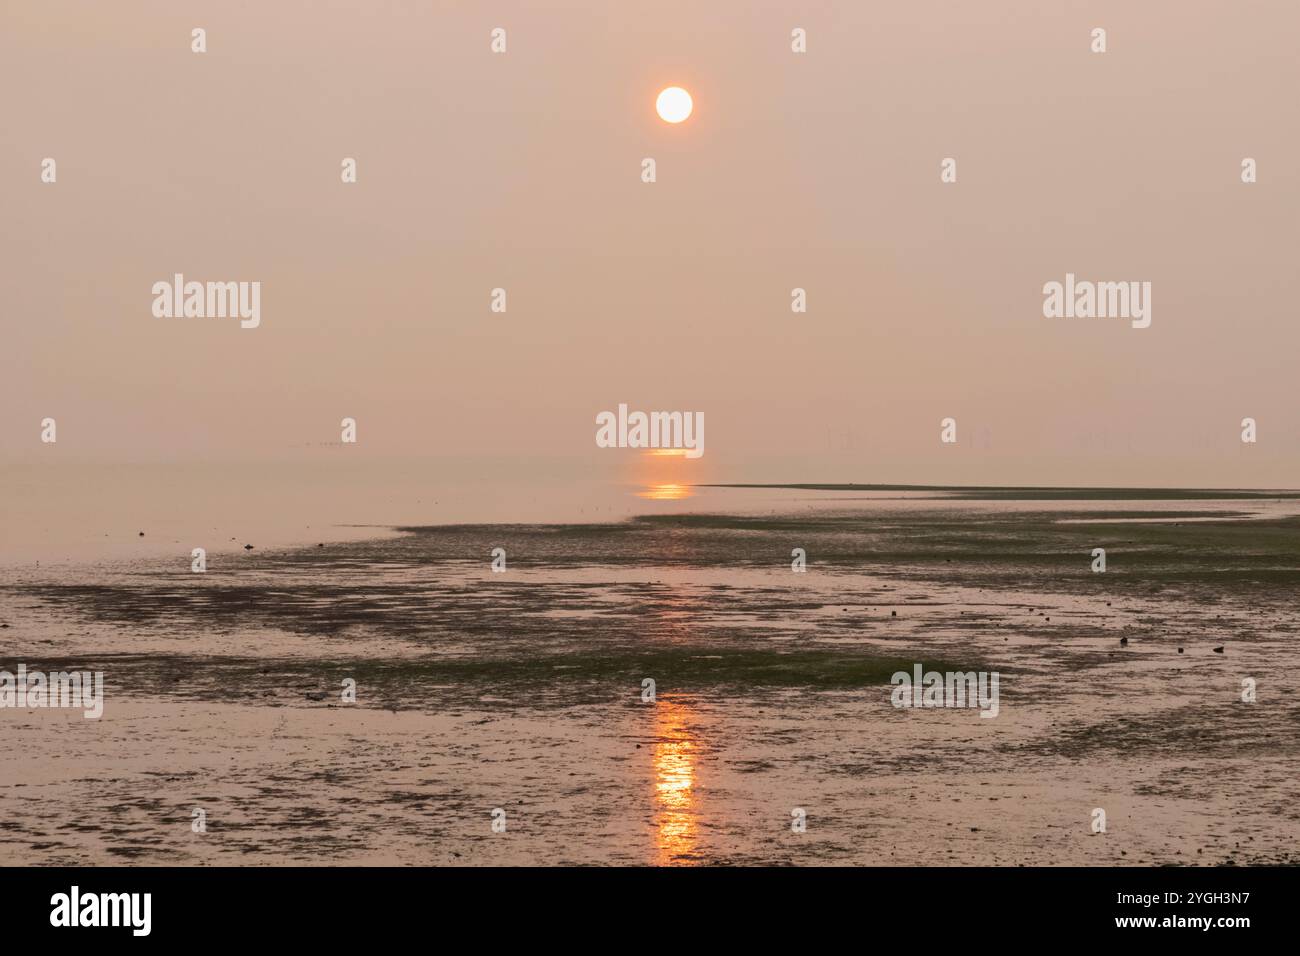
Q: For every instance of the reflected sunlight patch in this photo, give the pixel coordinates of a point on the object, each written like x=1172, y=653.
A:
x=665, y=492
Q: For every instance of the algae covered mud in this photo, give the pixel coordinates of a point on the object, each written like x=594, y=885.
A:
x=671, y=690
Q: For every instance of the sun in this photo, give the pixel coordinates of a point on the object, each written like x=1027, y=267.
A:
x=674, y=104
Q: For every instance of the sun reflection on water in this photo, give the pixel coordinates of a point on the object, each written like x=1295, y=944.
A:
x=674, y=767
x=665, y=492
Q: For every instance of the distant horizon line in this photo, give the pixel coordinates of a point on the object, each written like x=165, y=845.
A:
x=1027, y=491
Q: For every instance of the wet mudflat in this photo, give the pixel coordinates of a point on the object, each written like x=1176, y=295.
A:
x=523, y=691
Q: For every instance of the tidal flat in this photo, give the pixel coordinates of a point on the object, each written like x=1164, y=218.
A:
x=524, y=690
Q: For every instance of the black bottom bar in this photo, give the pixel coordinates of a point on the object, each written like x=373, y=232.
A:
x=327, y=905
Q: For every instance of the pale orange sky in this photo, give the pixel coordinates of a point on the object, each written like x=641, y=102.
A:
x=522, y=170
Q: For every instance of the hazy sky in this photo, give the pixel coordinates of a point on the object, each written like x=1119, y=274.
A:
x=522, y=171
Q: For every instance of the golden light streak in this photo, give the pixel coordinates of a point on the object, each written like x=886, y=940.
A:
x=666, y=492
x=674, y=767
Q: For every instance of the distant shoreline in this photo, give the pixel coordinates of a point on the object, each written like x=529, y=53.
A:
x=1039, y=492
